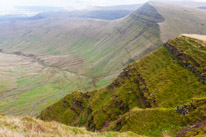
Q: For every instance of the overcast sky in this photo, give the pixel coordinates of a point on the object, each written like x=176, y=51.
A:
x=6, y=6
x=65, y=3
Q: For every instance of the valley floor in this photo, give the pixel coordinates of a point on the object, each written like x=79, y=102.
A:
x=28, y=84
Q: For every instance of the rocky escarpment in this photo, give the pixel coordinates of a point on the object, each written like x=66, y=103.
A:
x=194, y=116
x=142, y=87
x=108, y=103
x=194, y=111
x=187, y=61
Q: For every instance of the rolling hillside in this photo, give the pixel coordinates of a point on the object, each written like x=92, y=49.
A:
x=84, y=54
x=161, y=94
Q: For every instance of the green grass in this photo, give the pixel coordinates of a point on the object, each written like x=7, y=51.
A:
x=194, y=48
x=34, y=91
x=142, y=99
x=150, y=122
x=167, y=81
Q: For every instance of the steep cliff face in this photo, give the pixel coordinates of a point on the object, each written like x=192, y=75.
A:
x=144, y=95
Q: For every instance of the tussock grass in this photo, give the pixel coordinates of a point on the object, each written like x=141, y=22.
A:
x=31, y=127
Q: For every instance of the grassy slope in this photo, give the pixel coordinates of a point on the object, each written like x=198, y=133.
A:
x=180, y=20
x=157, y=82
x=186, y=120
x=29, y=127
x=194, y=48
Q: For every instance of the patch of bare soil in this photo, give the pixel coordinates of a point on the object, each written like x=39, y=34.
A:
x=191, y=128
x=196, y=36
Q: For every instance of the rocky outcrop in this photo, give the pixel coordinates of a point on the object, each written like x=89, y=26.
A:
x=194, y=117
x=142, y=88
x=193, y=111
x=186, y=61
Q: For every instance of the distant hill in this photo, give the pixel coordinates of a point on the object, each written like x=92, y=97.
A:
x=105, y=13
x=202, y=7
x=186, y=3
x=118, y=7
x=164, y=90
x=38, y=8
x=11, y=17
x=96, y=14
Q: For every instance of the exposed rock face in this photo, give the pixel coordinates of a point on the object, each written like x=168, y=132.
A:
x=190, y=110
x=81, y=107
x=194, y=117
x=126, y=74
x=186, y=61
x=143, y=89
x=183, y=110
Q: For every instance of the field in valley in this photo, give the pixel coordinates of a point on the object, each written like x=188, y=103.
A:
x=27, y=86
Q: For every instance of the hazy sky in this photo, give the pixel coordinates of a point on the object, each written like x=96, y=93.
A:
x=6, y=6
x=65, y=3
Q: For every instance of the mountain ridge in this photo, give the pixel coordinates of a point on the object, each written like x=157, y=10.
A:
x=151, y=88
